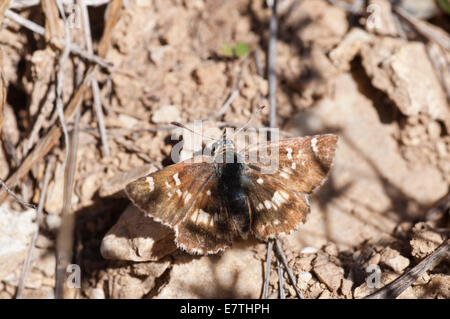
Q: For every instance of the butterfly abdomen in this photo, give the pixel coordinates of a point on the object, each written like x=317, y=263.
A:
x=230, y=182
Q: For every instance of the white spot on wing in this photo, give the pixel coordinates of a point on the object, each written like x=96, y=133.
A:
x=268, y=204
x=277, y=199
x=194, y=216
x=203, y=217
x=314, y=145
x=294, y=165
x=151, y=183
x=260, y=206
x=276, y=222
x=179, y=193
x=284, y=175
x=289, y=154
x=260, y=180
x=176, y=179
x=208, y=192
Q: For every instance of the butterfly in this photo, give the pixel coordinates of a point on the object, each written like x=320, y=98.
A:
x=208, y=200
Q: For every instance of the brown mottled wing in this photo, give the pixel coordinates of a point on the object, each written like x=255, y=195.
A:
x=206, y=228
x=303, y=162
x=274, y=208
x=175, y=195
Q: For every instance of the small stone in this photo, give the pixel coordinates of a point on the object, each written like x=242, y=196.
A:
x=166, y=114
x=424, y=241
x=434, y=130
x=331, y=249
x=303, y=278
x=304, y=263
x=392, y=258
x=325, y=295
x=127, y=121
x=422, y=280
x=157, y=54
x=398, y=263
x=52, y=221
x=97, y=293
x=309, y=250
x=330, y=274
x=374, y=260
x=90, y=185
x=315, y=290
x=346, y=287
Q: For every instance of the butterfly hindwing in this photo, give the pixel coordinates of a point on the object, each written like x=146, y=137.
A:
x=303, y=162
x=275, y=209
x=206, y=228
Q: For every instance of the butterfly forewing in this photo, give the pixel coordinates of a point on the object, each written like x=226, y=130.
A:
x=301, y=164
x=168, y=194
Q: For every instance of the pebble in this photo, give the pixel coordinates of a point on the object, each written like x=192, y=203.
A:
x=166, y=114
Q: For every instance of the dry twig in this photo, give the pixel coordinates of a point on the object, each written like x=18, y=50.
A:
x=28, y=260
x=267, y=272
x=395, y=288
x=94, y=83
x=271, y=65
x=64, y=241
x=282, y=257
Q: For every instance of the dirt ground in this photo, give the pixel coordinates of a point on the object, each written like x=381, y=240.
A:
x=382, y=83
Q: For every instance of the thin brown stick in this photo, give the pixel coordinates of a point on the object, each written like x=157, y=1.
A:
x=281, y=280
x=267, y=272
x=426, y=29
x=59, y=84
x=27, y=263
x=94, y=83
x=13, y=195
x=282, y=257
x=64, y=240
x=395, y=288
x=271, y=65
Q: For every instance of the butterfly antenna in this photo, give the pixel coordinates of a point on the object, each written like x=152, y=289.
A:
x=260, y=108
x=192, y=131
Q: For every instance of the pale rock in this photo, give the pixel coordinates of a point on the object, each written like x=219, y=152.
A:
x=392, y=258
x=96, y=293
x=157, y=54
x=16, y=229
x=381, y=20
x=90, y=185
x=52, y=221
x=398, y=263
x=166, y=114
x=234, y=274
x=127, y=121
x=303, y=278
x=424, y=241
x=136, y=237
x=330, y=274
x=325, y=295
x=346, y=287
x=309, y=250
x=41, y=293
x=115, y=185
